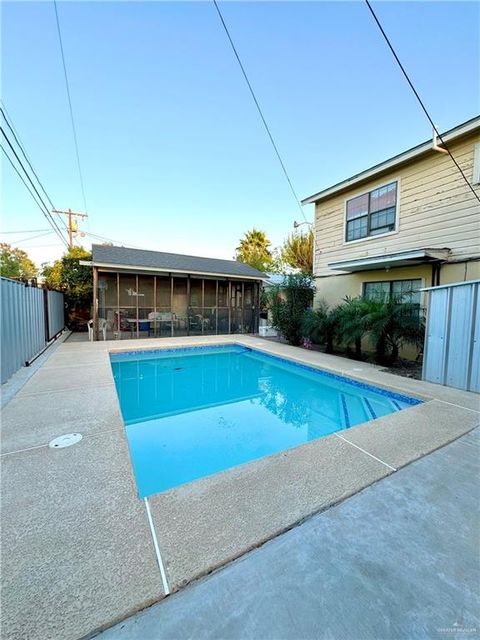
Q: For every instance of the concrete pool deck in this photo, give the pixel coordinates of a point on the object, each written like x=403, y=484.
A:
x=77, y=549
x=398, y=560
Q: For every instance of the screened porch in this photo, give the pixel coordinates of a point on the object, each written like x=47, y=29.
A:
x=131, y=305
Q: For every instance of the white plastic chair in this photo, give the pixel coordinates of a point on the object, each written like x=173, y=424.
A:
x=90, y=330
x=102, y=327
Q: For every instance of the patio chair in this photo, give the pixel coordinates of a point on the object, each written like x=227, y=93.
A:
x=102, y=327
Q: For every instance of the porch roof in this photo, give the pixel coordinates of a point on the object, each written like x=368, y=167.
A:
x=124, y=258
x=398, y=259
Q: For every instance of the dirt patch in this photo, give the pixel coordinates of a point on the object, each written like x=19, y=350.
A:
x=406, y=368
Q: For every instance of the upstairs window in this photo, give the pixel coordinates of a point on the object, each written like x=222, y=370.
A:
x=372, y=213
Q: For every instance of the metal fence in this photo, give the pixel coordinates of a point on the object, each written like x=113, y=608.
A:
x=29, y=318
x=452, y=341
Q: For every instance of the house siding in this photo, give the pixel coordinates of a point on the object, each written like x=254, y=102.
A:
x=435, y=209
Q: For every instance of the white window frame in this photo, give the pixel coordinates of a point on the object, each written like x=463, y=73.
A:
x=362, y=192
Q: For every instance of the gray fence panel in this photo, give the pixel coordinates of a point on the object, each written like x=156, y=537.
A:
x=475, y=368
x=452, y=342
x=460, y=336
x=434, y=356
x=56, y=314
x=22, y=323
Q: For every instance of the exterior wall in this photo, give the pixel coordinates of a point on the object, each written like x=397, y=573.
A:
x=334, y=288
x=435, y=209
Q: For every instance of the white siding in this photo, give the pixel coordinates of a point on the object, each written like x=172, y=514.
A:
x=436, y=209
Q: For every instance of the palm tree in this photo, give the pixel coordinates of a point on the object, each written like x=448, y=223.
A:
x=297, y=251
x=254, y=250
x=351, y=323
x=321, y=325
x=391, y=324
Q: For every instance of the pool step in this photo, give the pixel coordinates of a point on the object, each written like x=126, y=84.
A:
x=358, y=409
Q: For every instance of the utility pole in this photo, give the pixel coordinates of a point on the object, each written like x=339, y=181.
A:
x=72, y=223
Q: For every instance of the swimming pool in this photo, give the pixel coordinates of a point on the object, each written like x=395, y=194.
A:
x=193, y=412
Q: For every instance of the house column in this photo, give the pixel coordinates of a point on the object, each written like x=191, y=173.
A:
x=216, y=307
x=95, y=303
x=171, y=305
x=229, y=299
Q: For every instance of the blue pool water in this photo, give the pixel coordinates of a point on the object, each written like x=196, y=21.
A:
x=193, y=412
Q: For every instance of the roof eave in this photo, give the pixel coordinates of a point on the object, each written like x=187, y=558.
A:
x=114, y=266
x=395, y=161
x=417, y=256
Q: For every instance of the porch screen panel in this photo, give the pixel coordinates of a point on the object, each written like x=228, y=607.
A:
x=209, y=307
x=163, y=309
x=222, y=327
x=127, y=312
x=195, y=309
x=249, y=308
x=180, y=307
x=236, y=302
x=146, y=306
x=107, y=301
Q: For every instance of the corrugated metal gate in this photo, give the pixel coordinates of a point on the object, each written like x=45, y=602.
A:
x=452, y=340
x=29, y=318
x=56, y=313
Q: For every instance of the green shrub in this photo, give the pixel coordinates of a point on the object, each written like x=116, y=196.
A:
x=388, y=324
x=351, y=324
x=320, y=325
x=288, y=303
x=391, y=324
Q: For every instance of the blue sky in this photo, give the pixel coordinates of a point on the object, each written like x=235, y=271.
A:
x=173, y=152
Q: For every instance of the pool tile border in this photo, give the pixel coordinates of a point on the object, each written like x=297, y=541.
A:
x=394, y=395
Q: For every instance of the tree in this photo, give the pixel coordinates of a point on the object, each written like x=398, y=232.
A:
x=297, y=251
x=15, y=263
x=288, y=303
x=352, y=324
x=390, y=324
x=69, y=276
x=254, y=250
x=321, y=325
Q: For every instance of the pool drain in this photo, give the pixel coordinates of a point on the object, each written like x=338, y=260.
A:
x=65, y=441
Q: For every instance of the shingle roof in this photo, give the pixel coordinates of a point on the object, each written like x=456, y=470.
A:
x=161, y=261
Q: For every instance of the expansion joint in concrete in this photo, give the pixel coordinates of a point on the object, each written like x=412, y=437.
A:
x=364, y=451
x=163, y=574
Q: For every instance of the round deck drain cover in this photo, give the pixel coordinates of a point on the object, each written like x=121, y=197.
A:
x=65, y=441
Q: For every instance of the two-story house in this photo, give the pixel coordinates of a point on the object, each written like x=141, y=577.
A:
x=406, y=223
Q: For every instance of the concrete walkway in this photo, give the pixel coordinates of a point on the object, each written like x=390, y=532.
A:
x=77, y=549
x=398, y=560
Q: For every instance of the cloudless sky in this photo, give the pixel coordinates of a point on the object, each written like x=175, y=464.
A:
x=173, y=152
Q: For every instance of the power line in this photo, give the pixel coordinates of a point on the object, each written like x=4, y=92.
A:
x=11, y=126
x=67, y=85
x=22, y=149
x=49, y=215
x=40, y=235
x=94, y=235
x=43, y=208
x=30, y=191
x=23, y=231
x=412, y=87
x=267, y=128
